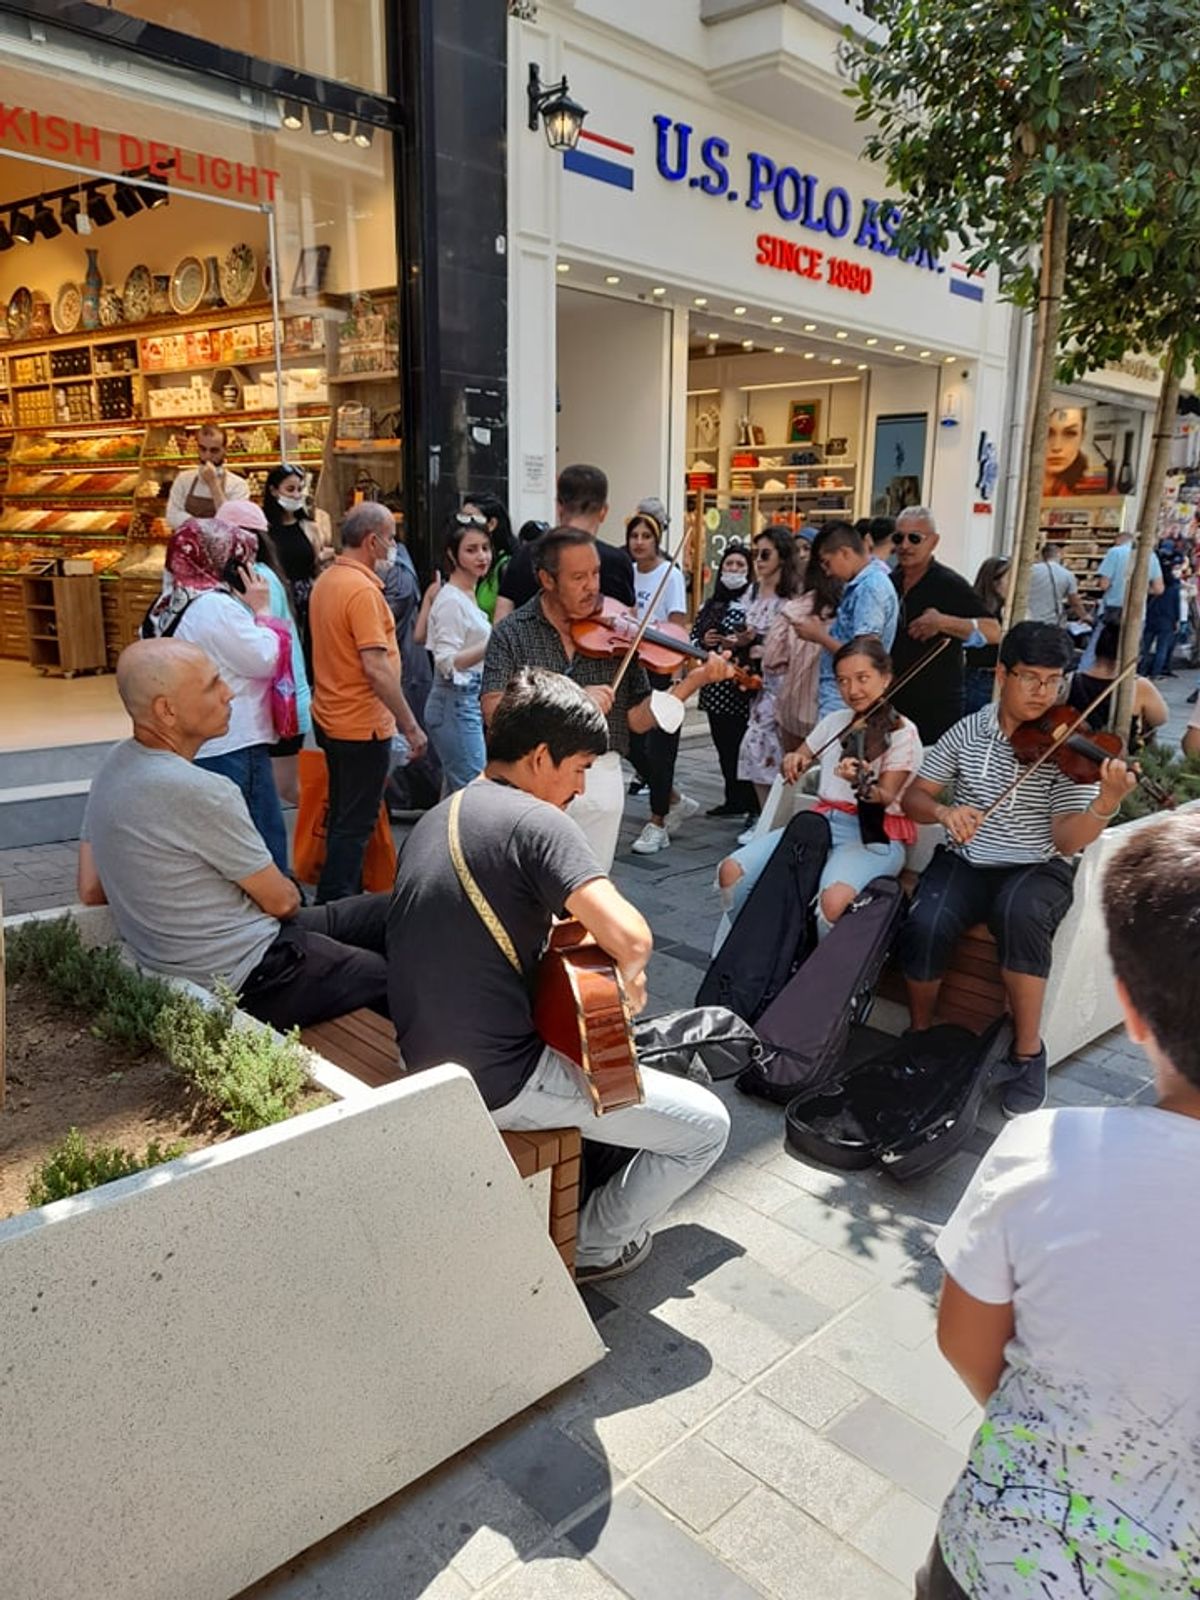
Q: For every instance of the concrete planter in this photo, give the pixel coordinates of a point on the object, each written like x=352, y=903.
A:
x=209, y=1366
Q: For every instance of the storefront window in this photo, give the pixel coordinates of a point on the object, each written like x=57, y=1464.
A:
x=258, y=287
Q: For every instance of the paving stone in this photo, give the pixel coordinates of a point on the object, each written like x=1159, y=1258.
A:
x=558, y=1573
x=374, y=1558
x=740, y=1344
x=897, y=1535
x=1070, y=1092
x=483, y=1531
x=657, y=1363
x=900, y=1448
x=748, y=1287
x=795, y=1559
x=797, y=1462
x=778, y=1248
x=903, y=1314
x=865, y=1235
x=650, y=1556
x=920, y=1382
x=626, y=1432
x=551, y=1472
x=832, y=1279
x=810, y=1390
x=1113, y=1075
x=697, y=1484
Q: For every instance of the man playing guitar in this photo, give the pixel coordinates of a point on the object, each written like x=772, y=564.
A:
x=480, y=880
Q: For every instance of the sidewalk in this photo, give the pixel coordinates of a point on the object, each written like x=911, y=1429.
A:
x=773, y=1417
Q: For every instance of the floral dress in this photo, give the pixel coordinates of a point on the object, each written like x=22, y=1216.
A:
x=762, y=748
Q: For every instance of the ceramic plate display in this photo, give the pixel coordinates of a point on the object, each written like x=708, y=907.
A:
x=20, y=313
x=136, y=295
x=68, y=308
x=111, y=310
x=239, y=274
x=187, y=285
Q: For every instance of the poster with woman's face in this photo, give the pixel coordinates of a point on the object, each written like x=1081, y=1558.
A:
x=1066, y=458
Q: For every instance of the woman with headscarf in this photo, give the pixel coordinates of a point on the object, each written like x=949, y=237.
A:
x=216, y=600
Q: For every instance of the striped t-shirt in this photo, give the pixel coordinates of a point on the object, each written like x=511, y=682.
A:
x=975, y=761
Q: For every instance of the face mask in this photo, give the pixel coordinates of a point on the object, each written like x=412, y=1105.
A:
x=291, y=502
x=735, y=581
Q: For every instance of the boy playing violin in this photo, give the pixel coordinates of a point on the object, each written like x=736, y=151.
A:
x=1013, y=867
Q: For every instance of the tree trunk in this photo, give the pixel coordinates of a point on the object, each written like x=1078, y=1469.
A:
x=1137, y=579
x=1045, y=357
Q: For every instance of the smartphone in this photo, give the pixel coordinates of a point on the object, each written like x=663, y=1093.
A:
x=234, y=575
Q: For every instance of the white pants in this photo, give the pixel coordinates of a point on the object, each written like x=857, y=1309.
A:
x=599, y=809
x=678, y=1131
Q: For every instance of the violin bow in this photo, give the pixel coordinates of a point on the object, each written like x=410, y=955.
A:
x=1028, y=771
x=901, y=682
x=631, y=654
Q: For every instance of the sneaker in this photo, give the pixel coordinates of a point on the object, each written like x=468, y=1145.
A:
x=683, y=808
x=724, y=810
x=1027, y=1086
x=636, y=786
x=634, y=1253
x=651, y=840
x=748, y=833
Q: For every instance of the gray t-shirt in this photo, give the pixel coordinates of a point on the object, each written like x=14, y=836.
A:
x=453, y=995
x=171, y=842
x=1049, y=585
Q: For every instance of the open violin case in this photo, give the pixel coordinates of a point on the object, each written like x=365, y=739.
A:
x=905, y=1105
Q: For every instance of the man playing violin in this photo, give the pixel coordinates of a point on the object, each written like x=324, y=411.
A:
x=457, y=994
x=1013, y=866
x=539, y=634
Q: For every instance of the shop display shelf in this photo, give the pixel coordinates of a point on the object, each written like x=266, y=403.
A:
x=363, y=377
x=233, y=458
x=237, y=358
x=367, y=447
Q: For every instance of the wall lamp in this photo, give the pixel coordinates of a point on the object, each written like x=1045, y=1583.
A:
x=561, y=116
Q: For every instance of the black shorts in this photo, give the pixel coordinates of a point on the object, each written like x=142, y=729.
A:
x=1022, y=905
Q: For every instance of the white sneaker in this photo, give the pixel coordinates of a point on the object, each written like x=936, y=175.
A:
x=748, y=834
x=651, y=840
x=683, y=808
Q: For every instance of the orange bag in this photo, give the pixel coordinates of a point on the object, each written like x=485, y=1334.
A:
x=312, y=820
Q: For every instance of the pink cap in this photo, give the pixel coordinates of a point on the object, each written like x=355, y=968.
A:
x=242, y=514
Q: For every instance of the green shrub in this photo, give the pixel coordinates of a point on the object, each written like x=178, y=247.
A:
x=73, y=1167
x=122, y=1004
x=1178, y=774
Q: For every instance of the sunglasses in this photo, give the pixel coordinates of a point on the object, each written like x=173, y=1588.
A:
x=470, y=519
x=913, y=538
x=764, y=555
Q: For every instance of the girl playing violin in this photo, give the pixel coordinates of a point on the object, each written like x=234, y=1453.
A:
x=876, y=777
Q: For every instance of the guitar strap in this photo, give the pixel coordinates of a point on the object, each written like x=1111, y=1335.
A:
x=475, y=894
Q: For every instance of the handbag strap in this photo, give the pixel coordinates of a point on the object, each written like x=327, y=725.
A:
x=475, y=894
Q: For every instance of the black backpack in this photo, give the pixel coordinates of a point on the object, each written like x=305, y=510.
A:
x=775, y=929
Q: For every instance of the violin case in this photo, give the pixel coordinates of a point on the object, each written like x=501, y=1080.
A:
x=805, y=1029
x=904, y=1105
x=775, y=929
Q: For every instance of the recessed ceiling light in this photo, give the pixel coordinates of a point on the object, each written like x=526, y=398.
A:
x=922, y=354
x=862, y=366
x=949, y=358
x=714, y=335
x=659, y=290
x=777, y=319
x=739, y=311
x=810, y=327
x=747, y=344
x=563, y=266
x=611, y=277
x=835, y=361
x=779, y=349
x=899, y=347
x=700, y=300
x=809, y=355
x=870, y=341
x=841, y=334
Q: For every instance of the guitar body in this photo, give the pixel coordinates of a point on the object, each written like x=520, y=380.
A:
x=581, y=1010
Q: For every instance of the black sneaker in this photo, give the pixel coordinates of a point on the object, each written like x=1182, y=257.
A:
x=634, y=1253
x=1027, y=1085
x=636, y=786
x=723, y=810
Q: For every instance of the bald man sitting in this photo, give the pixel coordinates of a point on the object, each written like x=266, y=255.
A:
x=192, y=887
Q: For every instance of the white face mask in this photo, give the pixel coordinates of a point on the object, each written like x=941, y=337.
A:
x=291, y=502
x=734, y=580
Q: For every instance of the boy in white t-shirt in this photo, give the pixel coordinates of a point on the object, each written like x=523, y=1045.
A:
x=1072, y=1298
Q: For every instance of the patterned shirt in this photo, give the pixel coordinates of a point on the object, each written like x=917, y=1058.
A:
x=868, y=606
x=527, y=638
x=975, y=761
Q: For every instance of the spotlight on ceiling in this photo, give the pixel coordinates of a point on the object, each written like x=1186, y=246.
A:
x=100, y=208
x=128, y=200
x=155, y=199
x=45, y=222
x=75, y=216
x=318, y=122
x=562, y=117
x=363, y=134
x=341, y=128
x=292, y=115
x=22, y=227
x=6, y=238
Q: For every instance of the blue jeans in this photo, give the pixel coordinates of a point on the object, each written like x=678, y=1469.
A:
x=849, y=859
x=454, y=722
x=250, y=769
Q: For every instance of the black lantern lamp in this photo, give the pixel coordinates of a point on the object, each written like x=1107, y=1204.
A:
x=45, y=222
x=561, y=116
x=100, y=208
x=22, y=227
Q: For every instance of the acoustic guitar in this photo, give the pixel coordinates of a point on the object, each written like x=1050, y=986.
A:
x=581, y=1010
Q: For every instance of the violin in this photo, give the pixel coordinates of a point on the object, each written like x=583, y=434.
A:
x=865, y=740
x=1078, y=753
x=613, y=632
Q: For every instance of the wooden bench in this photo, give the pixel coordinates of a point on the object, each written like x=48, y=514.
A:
x=363, y=1044
x=972, y=992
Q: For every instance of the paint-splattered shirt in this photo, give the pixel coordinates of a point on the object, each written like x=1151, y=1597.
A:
x=1083, y=1482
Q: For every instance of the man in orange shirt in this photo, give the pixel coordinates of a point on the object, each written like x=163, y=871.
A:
x=357, y=698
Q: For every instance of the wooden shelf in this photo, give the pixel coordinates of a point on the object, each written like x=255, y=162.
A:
x=363, y=377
